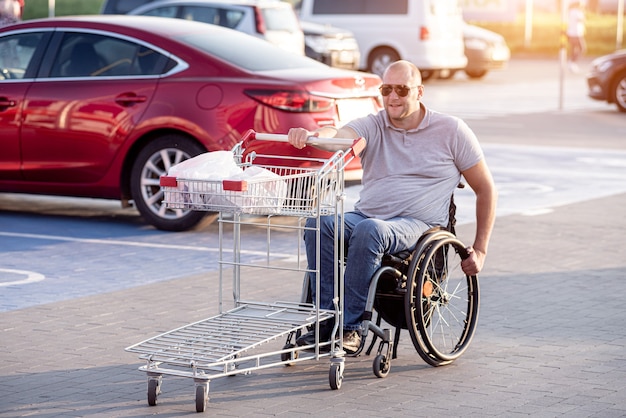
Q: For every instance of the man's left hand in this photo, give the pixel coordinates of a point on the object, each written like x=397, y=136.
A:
x=473, y=264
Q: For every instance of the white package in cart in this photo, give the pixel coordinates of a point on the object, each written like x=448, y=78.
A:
x=216, y=165
x=266, y=191
x=209, y=169
x=200, y=185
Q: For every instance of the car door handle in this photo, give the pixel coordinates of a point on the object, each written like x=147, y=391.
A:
x=5, y=103
x=129, y=99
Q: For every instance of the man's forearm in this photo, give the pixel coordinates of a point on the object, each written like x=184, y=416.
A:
x=485, y=219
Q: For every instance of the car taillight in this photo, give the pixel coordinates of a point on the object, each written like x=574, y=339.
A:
x=291, y=100
x=424, y=33
x=260, y=21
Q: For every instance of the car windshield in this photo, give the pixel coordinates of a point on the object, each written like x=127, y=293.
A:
x=249, y=53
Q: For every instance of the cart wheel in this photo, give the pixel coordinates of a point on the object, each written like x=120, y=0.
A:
x=154, y=388
x=202, y=397
x=288, y=356
x=381, y=366
x=335, y=376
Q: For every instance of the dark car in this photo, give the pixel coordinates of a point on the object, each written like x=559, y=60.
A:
x=607, y=79
x=333, y=46
x=485, y=51
x=102, y=106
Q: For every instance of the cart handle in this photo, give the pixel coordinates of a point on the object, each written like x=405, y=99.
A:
x=356, y=145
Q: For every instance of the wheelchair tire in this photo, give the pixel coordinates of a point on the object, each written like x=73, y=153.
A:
x=441, y=303
x=381, y=366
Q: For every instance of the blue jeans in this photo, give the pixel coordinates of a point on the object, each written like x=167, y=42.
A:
x=367, y=239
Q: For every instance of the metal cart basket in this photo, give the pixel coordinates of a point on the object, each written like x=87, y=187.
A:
x=233, y=341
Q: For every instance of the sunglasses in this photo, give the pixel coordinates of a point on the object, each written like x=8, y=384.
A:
x=400, y=89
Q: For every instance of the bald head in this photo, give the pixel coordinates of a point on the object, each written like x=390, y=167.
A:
x=404, y=68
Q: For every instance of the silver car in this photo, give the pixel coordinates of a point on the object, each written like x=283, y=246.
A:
x=275, y=22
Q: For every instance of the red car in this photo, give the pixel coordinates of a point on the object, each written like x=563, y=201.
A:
x=101, y=106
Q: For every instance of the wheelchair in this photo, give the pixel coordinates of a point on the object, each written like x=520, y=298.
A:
x=425, y=291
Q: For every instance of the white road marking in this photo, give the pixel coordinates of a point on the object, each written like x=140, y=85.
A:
x=31, y=277
x=131, y=243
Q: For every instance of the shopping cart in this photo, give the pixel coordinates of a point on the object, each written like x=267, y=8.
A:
x=234, y=341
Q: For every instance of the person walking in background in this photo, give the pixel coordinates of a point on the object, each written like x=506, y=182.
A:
x=9, y=14
x=21, y=8
x=575, y=34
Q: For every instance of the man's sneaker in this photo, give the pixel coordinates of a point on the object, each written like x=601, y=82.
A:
x=326, y=328
x=351, y=341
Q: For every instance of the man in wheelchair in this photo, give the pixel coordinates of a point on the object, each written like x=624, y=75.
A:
x=413, y=161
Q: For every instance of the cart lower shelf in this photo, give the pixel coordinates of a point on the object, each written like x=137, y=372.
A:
x=223, y=344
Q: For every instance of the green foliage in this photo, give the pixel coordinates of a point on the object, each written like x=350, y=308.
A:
x=34, y=9
x=546, y=34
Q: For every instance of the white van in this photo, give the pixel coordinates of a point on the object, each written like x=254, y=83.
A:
x=428, y=33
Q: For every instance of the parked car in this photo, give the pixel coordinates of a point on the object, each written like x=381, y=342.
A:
x=607, y=79
x=485, y=50
x=101, y=106
x=274, y=21
x=333, y=46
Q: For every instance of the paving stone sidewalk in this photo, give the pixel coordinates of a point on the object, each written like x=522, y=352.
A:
x=550, y=341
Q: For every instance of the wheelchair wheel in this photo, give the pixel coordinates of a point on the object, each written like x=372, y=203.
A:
x=441, y=303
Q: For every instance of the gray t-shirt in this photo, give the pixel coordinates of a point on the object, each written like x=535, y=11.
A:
x=413, y=173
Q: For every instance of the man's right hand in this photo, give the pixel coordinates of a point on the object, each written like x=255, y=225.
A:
x=298, y=137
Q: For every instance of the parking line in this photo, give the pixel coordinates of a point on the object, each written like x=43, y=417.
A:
x=132, y=243
x=107, y=242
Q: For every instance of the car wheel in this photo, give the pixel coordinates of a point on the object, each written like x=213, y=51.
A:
x=380, y=59
x=476, y=73
x=427, y=74
x=447, y=75
x=619, y=91
x=152, y=162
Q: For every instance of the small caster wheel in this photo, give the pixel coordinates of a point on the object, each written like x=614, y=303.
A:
x=154, y=389
x=202, y=398
x=335, y=376
x=289, y=356
x=381, y=366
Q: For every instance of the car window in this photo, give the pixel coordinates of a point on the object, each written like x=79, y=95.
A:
x=249, y=53
x=122, y=6
x=16, y=53
x=91, y=55
x=165, y=11
x=214, y=15
x=231, y=18
x=376, y=7
x=207, y=14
